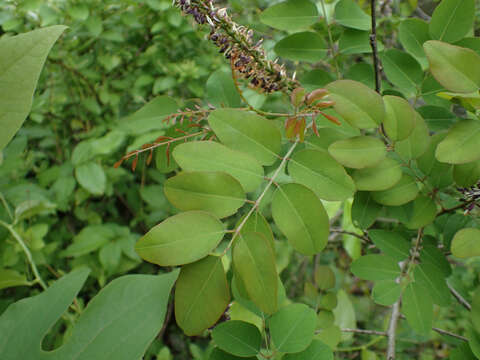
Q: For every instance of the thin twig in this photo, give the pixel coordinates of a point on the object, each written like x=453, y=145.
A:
x=392, y=330
x=27, y=252
x=366, y=332
x=455, y=208
x=373, y=44
x=448, y=333
x=5, y=204
x=460, y=298
x=361, y=237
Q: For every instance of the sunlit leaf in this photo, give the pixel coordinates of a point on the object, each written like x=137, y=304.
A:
x=358, y=152
x=460, y=146
x=403, y=192
x=452, y=20
x=465, y=243
x=399, y=119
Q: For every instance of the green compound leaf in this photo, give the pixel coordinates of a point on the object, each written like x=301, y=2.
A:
x=292, y=328
x=455, y=68
x=413, y=33
x=427, y=275
x=365, y=210
x=467, y=174
x=304, y=46
x=386, y=292
x=417, y=306
x=349, y=14
x=452, y=20
x=358, y=152
x=402, y=70
x=391, y=243
x=238, y=338
x=317, y=350
x=416, y=144
x=382, y=176
x=181, y=239
x=399, y=119
x=247, y=132
x=359, y=105
x=215, y=192
x=375, y=267
x=201, y=295
x=291, y=15
x=91, y=177
x=465, y=243
x=318, y=171
x=254, y=262
x=21, y=61
x=460, y=146
x=422, y=213
x=104, y=329
x=212, y=156
x=403, y=192
x=301, y=216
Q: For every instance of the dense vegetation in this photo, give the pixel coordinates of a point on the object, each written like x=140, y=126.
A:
x=320, y=206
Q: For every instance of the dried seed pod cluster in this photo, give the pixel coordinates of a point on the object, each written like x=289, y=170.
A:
x=236, y=42
x=471, y=195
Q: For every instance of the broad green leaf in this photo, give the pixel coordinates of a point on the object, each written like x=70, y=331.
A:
x=382, y=176
x=476, y=310
x=221, y=91
x=403, y=192
x=11, y=278
x=238, y=338
x=417, y=306
x=91, y=177
x=460, y=146
x=254, y=261
x=422, y=213
x=257, y=223
x=326, y=137
x=454, y=67
x=386, y=292
x=349, y=14
x=218, y=354
x=331, y=335
x=248, y=133
x=363, y=73
x=468, y=174
x=416, y=143
x=403, y=71
x=359, y=105
x=462, y=352
x=474, y=342
x=300, y=215
x=364, y=210
x=150, y=116
x=368, y=354
x=215, y=192
x=375, y=267
x=318, y=171
x=465, y=243
x=391, y=243
x=452, y=20
x=356, y=42
x=292, y=328
x=212, y=156
x=181, y=239
x=437, y=117
x=317, y=350
x=303, y=46
x=315, y=79
x=324, y=277
x=89, y=239
x=325, y=319
x=432, y=255
x=358, y=152
x=454, y=223
x=21, y=61
x=290, y=15
x=201, y=295
x=399, y=118
x=427, y=275
x=439, y=174
x=344, y=317
x=102, y=329
x=109, y=256
x=412, y=34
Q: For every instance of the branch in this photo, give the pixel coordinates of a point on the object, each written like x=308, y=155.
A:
x=392, y=330
x=455, y=208
x=366, y=332
x=373, y=44
x=361, y=237
x=448, y=333
x=460, y=298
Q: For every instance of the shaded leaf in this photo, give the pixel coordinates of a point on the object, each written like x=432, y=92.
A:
x=238, y=338
x=375, y=267
x=303, y=46
x=290, y=15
